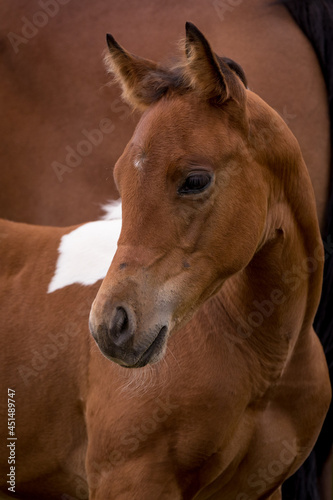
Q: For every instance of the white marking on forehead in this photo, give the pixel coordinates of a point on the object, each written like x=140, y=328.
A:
x=138, y=163
x=85, y=254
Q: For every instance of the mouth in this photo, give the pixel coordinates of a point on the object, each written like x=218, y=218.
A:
x=124, y=356
x=154, y=348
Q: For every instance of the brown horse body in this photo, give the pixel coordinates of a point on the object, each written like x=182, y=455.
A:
x=217, y=276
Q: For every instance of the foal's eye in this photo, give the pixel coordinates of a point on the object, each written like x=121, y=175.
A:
x=195, y=183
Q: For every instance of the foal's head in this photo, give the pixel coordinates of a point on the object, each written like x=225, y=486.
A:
x=194, y=197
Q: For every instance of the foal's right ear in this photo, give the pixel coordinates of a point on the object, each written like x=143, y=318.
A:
x=211, y=75
x=142, y=81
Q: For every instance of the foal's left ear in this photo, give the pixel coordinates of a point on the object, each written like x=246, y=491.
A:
x=143, y=81
x=207, y=72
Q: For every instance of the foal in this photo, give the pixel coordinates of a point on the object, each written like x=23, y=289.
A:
x=219, y=257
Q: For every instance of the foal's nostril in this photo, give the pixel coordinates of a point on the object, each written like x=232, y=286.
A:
x=120, y=321
x=122, y=325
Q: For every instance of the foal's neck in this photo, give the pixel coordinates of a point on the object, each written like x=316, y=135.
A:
x=270, y=305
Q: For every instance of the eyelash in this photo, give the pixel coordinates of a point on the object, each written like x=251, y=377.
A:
x=195, y=183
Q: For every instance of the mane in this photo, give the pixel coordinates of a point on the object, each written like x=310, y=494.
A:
x=176, y=77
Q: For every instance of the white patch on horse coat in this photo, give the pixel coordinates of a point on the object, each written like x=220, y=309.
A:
x=86, y=253
x=112, y=210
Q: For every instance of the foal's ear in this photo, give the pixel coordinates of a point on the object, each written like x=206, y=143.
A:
x=142, y=81
x=208, y=73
